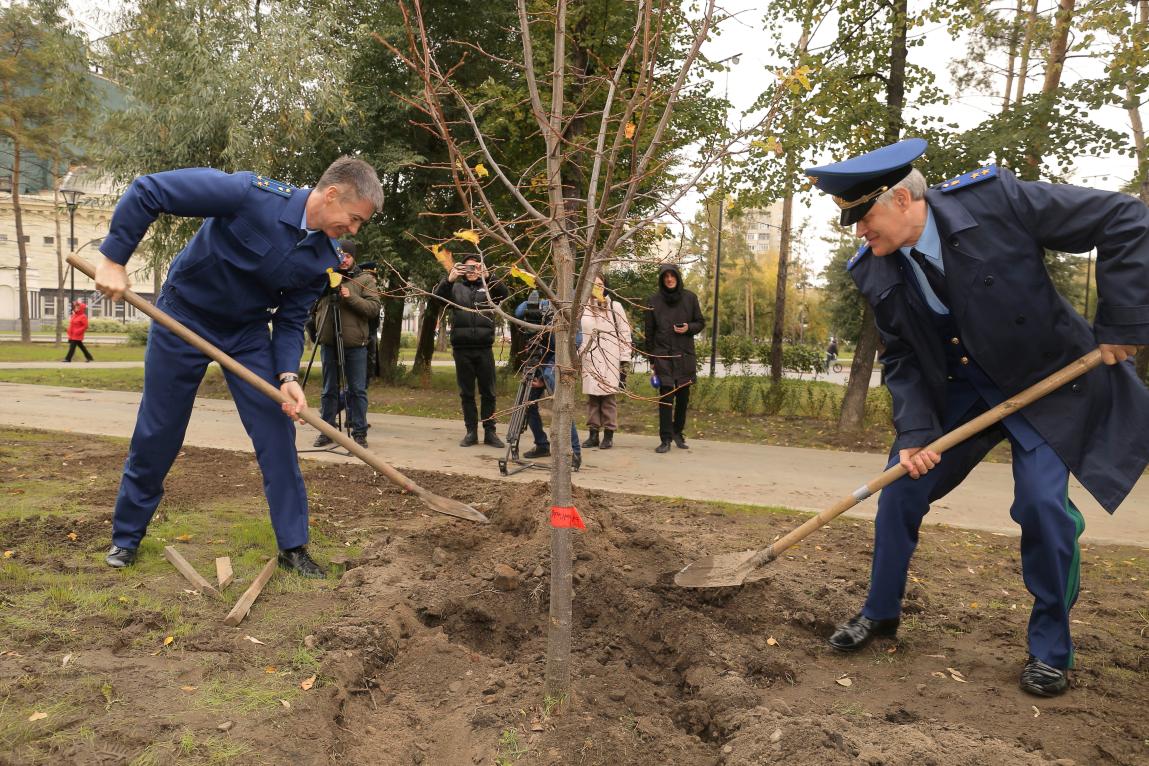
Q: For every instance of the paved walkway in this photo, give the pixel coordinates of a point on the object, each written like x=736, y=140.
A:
x=739, y=473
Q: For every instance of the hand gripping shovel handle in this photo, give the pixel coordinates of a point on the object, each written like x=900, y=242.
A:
x=732, y=569
x=433, y=501
x=1011, y=405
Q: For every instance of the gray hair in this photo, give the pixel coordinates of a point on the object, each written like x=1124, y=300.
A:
x=355, y=175
x=914, y=183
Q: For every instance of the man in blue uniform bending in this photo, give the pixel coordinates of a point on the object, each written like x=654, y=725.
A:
x=968, y=316
x=261, y=256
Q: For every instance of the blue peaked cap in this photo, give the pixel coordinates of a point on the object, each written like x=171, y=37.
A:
x=855, y=184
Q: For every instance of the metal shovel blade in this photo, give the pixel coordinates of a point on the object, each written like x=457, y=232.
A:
x=450, y=507
x=722, y=570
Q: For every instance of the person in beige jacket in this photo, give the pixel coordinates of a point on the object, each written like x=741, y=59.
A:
x=605, y=354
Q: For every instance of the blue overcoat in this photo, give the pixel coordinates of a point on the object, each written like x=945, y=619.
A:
x=995, y=231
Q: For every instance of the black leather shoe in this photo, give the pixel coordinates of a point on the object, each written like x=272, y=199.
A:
x=576, y=461
x=471, y=439
x=1043, y=680
x=607, y=439
x=859, y=631
x=491, y=439
x=120, y=557
x=321, y=441
x=663, y=448
x=680, y=441
x=360, y=439
x=592, y=440
x=537, y=452
x=299, y=561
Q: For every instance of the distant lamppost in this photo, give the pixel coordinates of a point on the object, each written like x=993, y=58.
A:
x=718, y=249
x=71, y=199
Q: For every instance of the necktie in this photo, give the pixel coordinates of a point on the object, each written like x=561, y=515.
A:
x=936, y=279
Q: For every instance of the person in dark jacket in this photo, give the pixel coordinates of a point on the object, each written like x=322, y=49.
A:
x=969, y=316
x=673, y=318
x=77, y=326
x=468, y=292
x=356, y=300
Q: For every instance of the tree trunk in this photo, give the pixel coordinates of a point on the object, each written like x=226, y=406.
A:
x=780, y=291
x=1014, y=35
x=390, y=338
x=21, y=248
x=59, y=259
x=425, y=346
x=1054, y=65
x=1026, y=48
x=853, y=414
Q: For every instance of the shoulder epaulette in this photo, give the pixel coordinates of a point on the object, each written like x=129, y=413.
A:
x=969, y=179
x=273, y=186
x=856, y=257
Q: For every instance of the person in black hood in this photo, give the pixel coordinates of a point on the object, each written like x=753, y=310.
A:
x=467, y=289
x=673, y=318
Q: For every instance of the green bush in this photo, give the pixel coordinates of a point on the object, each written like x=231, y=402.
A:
x=407, y=340
x=728, y=350
x=802, y=359
x=107, y=326
x=138, y=333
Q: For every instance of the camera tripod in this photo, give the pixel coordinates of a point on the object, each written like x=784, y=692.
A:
x=517, y=424
x=343, y=393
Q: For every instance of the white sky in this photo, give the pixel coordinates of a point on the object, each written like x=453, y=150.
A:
x=743, y=35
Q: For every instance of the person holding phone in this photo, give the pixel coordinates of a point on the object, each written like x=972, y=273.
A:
x=673, y=318
x=471, y=297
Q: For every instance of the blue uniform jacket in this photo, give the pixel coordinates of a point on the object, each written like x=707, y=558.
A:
x=994, y=231
x=250, y=257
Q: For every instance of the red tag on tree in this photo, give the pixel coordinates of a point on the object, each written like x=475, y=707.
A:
x=566, y=518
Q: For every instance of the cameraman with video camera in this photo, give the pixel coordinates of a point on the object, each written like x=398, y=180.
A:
x=467, y=291
x=540, y=363
x=346, y=309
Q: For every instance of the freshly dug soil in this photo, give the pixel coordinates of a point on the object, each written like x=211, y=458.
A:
x=433, y=646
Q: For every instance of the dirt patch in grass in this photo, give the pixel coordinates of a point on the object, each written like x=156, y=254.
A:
x=420, y=659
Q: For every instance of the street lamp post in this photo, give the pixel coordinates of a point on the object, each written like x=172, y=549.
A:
x=718, y=250
x=71, y=199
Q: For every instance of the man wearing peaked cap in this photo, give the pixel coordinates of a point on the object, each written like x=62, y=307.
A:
x=969, y=316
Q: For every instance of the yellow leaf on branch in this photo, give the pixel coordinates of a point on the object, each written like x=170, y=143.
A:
x=468, y=235
x=442, y=255
x=481, y=171
x=628, y=131
x=527, y=278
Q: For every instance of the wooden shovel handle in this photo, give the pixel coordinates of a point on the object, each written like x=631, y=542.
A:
x=231, y=365
x=1070, y=372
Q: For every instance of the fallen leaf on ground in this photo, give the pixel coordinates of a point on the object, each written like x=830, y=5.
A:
x=9, y=554
x=285, y=703
x=188, y=688
x=271, y=669
x=73, y=536
x=1036, y=712
x=537, y=726
x=844, y=682
x=37, y=716
x=253, y=640
x=168, y=641
x=771, y=641
x=64, y=662
x=307, y=683
x=183, y=538
x=938, y=674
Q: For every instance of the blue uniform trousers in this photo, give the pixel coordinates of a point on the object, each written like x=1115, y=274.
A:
x=173, y=370
x=1050, y=526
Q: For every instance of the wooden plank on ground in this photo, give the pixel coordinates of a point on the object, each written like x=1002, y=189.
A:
x=243, y=606
x=223, y=573
x=188, y=571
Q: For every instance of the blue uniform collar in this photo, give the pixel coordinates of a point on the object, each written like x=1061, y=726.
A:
x=295, y=211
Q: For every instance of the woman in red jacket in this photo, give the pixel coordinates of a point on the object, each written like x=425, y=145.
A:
x=76, y=329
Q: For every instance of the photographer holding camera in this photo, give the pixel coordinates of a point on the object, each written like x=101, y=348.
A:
x=540, y=362
x=467, y=291
x=345, y=312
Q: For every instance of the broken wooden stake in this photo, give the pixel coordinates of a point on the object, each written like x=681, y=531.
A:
x=223, y=573
x=188, y=571
x=243, y=606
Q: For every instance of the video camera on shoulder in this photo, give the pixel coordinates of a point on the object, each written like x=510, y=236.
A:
x=538, y=311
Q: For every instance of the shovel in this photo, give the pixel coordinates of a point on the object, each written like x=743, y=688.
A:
x=435, y=502
x=728, y=569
